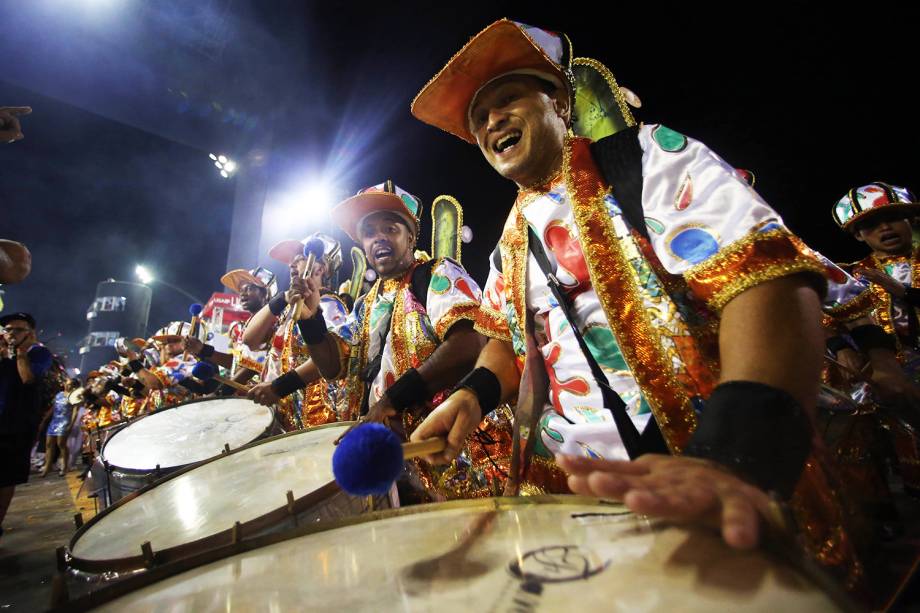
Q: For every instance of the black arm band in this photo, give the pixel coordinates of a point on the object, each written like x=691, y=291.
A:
x=206, y=352
x=224, y=391
x=912, y=296
x=277, y=304
x=409, y=390
x=485, y=385
x=313, y=330
x=836, y=343
x=870, y=336
x=136, y=365
x=758, y=431
x=288, y=383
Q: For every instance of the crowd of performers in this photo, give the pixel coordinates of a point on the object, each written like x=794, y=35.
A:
x=644, y=303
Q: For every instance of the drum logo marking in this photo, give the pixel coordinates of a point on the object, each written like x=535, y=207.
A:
x=556, y=564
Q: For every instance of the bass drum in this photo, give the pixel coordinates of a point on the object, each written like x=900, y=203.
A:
x=277, y=483
x=160, y=443
x=496, y=554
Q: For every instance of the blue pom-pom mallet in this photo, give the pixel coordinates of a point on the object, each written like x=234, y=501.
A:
x=205, y=370
x=369, y=459
x=313, y=249
x=194, y=310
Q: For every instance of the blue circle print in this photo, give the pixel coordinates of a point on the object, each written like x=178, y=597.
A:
x=694, y=245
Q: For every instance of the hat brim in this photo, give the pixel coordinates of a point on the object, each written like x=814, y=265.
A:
x=236, y=278
x=349, y=213
x=500, y=49
x=286, y=251
x=167, y=338
x=910, y=210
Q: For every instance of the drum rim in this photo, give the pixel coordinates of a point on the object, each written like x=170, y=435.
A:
x=136, y=472
x=177, y=566
x=170, y=554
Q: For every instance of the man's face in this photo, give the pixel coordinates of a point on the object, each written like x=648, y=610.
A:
x=388, y=243
x=17, y=332
x=171, y=349
x=253, y=297
x=520, y=128
x=299, y=265
x=886, y=234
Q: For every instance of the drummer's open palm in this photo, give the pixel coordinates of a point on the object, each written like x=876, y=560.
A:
x=676, y=488
x=455, y=418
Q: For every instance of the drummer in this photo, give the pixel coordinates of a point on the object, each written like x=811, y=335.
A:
x=255, y=287
x=305, y=401
x=409, y=339
x=510, y=90
x=168, y=383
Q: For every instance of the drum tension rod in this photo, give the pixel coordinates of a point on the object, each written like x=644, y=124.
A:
x=147, y=552
x=157, y=471
x=78, y=520
x=235, y=533
x=226, y=448
x=290, y=505
x=61, y=557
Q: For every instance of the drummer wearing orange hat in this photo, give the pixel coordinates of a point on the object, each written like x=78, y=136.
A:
x=409, y=339
x=255, y=287
x=677, y=313
x=170, y=381
x=302, y=400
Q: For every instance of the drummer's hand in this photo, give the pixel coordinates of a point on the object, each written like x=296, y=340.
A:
x=311, y=295
x=676, y=488
x=264, y=394
x=852, y=360
x=381, y=412
x=456, y=418
x=889, y=283
x=192, y=344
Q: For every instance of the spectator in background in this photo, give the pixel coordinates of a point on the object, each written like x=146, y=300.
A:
x=23, y=364
x=62, y=418
x=15, y=259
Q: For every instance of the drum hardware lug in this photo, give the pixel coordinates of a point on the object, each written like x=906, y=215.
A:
x=59, y=593
x=226, y=448
x=157, y=471
x=147, y=552
x=60, y=555
x=290, y=506
x=235, y=533
x=78, y=520
x=370, y=503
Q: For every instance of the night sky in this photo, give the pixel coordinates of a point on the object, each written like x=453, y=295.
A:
x=129, y=98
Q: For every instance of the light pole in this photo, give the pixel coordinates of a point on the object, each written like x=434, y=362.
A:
x=146, y=277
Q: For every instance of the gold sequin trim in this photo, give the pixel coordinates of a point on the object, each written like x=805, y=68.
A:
x=458, y=312
x=757, y=258
x=621, y=299
x=492, y=323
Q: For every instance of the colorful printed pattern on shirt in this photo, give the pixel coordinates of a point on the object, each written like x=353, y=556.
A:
x=710, y=238
x=170, y=374
x=415, y=330
x=243, y=356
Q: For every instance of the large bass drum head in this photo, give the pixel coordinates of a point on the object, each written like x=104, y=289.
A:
x=187, y=433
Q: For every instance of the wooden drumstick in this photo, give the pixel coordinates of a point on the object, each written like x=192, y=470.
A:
x=202, y=371
x=423, y=448
x=194, y=310
x=313, y=250
x=231, y=383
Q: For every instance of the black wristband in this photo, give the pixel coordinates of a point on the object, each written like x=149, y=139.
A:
x=287, y=384
x=277, y=304
x=870, y=336
x=410, y=389
x=313, y=330
x=206, y=352
x=136, y=365
x=836, y=343
x=757, y=430
x=485, y=385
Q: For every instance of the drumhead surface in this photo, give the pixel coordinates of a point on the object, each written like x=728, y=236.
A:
x=187, y=433
x=502, y=555
x=211, y=497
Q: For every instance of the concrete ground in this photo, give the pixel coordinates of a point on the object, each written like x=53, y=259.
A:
x=40, y=519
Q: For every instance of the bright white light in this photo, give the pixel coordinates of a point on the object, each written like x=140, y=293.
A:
x=229, y=165
x=222, y=159
x=145, y=276
x=225, y=174
x=302, y=208
x=218, y=164
x=212, y=156
x=466, y=234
